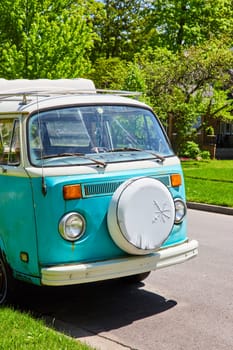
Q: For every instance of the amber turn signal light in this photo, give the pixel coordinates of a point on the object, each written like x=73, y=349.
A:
x=72, y=191
x=176, y=180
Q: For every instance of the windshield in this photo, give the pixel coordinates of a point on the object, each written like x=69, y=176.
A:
x=80, y=135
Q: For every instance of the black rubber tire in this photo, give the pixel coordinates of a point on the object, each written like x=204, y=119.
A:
x=7, y=283
x=137, y=278
x=3, y=282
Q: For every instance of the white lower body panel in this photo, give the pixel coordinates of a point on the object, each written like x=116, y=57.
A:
x=69, y=274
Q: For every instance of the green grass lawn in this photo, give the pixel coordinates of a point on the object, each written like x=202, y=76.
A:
x=20, y=331
x=209, y=182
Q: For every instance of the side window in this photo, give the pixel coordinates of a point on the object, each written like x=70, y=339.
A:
x=9, y=142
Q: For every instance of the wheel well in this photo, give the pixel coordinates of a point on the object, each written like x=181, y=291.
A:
x=2, y=255
x=4, y=258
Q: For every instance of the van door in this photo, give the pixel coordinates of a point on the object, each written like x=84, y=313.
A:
x=17, y=219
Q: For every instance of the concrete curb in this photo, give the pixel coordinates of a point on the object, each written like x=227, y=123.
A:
x=97, y=341
x=210, y=208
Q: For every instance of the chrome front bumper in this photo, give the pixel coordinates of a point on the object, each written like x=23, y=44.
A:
x=69, y=274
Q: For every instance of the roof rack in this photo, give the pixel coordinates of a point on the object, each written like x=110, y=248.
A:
x=23, y=91
x=19, y=87
x=119, y=92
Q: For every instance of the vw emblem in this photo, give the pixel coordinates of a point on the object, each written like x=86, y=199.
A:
x=162, y=212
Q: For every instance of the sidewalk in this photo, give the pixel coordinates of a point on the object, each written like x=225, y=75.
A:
x=211, y=208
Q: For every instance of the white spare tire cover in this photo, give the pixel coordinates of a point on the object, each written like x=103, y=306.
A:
x=141, y=215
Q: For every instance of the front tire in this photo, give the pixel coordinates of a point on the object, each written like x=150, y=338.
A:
x=7, y=283
x=3, y=282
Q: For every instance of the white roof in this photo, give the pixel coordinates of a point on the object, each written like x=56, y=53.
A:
x=26, y=86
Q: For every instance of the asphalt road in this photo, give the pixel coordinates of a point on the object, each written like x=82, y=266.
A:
x=187, y=306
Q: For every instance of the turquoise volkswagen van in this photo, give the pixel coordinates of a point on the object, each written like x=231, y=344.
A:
x=90, y=187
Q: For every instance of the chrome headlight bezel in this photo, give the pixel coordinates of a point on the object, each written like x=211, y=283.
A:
x=72, y=226
x=180, y=210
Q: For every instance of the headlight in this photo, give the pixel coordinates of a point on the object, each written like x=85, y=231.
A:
x=180, y=210
x=72, y=226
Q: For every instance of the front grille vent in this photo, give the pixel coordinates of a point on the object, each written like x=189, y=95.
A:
x=99, y=189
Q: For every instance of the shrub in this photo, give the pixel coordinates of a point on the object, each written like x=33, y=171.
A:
x=192, y=150
x=205, y=155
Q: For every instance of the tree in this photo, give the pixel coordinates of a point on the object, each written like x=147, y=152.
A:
x=45, y=39
x=119, y=27
x=109, y=73
x=188, y=86
x=125, y=27
x=178, y=24
x=117, y=74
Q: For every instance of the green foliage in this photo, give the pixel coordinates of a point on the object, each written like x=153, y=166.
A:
x=114, y=73
x=209, y=130
x=109, y=73
x=189, y=86
x=205, y=155
x=125, y=27
x=44, y=39
x=134, y=79
x=120, y=25
x=178, y=24
x=192, y=150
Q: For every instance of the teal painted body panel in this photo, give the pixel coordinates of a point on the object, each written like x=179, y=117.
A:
x=17, y=223
x=96, y=244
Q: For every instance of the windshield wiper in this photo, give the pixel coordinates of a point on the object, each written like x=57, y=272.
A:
x=125, y=149
x=82, y=155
